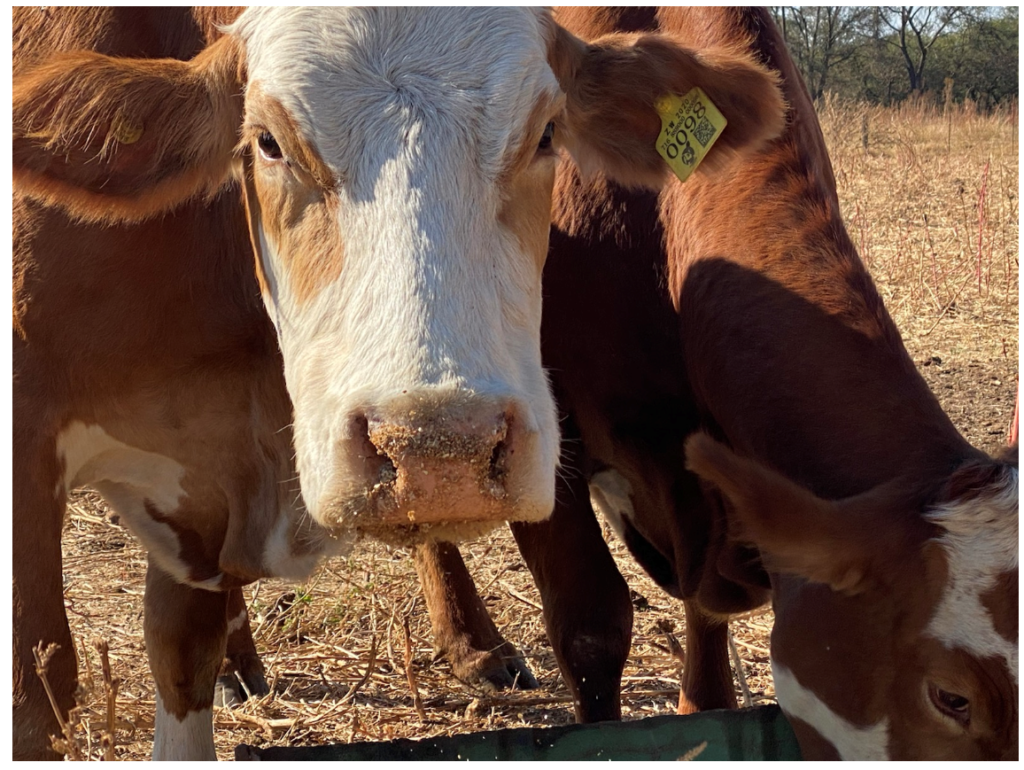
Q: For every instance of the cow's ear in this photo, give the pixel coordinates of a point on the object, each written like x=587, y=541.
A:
x=612, y=85
x=845, y=544
x=113, y=139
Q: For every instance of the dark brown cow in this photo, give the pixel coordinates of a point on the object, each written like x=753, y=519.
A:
x=390, y=170
x=732, y=318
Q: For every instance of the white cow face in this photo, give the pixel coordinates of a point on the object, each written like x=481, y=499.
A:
x=401, y=177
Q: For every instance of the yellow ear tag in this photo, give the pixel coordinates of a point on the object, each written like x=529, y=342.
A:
x=689, y=126
x=124, y=132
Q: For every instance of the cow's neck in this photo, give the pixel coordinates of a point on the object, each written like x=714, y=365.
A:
x=183, y=285
x=807, y=369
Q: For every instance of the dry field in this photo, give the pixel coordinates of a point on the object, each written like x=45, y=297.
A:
x=931, y=202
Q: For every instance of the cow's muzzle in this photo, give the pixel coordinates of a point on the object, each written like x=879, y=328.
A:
x=416, y=462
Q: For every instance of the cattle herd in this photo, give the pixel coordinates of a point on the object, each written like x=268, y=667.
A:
x=278, y=284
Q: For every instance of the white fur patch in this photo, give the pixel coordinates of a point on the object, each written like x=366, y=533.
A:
x=981, y=543
x=89, y=454
x=612, y=496
x=189, y=739
x=851, y=742
x=272, y=278
x=127, y=477
x=236, y=623
x=288, y=554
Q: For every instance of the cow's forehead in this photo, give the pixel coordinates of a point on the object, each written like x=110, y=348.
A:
x=348, y=76
x=980, y=541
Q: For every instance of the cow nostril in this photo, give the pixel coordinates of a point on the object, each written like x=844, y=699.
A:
x=502, y=452
x=379, y=464
x=499, y=457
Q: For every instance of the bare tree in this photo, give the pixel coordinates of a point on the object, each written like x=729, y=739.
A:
x=821, y=38
x=917, y=27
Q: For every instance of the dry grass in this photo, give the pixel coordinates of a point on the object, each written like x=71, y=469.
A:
x=932, y=204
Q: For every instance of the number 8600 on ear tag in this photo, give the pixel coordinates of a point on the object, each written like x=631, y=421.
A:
x=690, y=124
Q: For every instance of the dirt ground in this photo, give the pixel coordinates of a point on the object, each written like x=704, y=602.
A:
x=316, y=644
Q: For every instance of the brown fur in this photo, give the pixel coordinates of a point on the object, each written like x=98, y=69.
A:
x=526, y=207
x=710, y=686
x=526, y=184
x=251, y=203
x=833, y=542
x=184, y=657
x=998, y=600
x=976, y=477
x=241, y=655
x=149, y=326
x=735, y=306
x=463, y=631
x=178, y=33
x=525, y=147
x=265, y=113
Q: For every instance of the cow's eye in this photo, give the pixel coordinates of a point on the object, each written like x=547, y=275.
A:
x=952, y=705
x=549, y=134
x=268, y=145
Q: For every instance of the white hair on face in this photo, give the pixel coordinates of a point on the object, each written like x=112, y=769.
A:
x=851, y=742
x=980, y=543
x=344, y=73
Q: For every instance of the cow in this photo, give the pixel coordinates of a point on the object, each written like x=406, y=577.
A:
x=740, y=407
x=310, y=231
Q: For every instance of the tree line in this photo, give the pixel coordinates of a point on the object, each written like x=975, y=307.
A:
x=886, y=54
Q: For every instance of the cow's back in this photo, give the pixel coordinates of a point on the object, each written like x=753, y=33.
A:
x=805, y=365
x=140, y=32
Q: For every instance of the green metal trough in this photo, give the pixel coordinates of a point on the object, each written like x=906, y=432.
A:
x=760, y=733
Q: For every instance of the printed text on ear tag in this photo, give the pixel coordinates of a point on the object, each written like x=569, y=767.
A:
x=689, y=126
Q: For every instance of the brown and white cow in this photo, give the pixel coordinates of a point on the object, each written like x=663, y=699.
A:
x=730, y=321
x=396, y=169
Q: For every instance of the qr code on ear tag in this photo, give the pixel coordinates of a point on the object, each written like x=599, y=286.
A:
x=690, y=125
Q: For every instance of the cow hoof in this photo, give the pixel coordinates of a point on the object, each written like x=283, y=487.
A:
x=253, y=679
x=521, y=676
x=231, y=691
x=502, y=669
x=228, y=692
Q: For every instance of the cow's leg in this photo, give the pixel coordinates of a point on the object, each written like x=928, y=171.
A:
x=707, y=678
x=463, y=631
x=241, y=659
x=186, y=638
x=39, y=504
x=587, y=611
